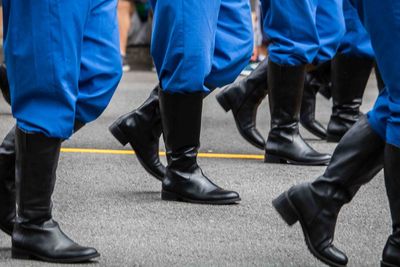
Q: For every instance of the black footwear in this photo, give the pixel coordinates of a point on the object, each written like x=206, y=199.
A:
x=7, y=183
x=316, y=205
x=391, y=252
x=284, y=143
x=243, y=98
x=349, y=79
x=4, y=86
x=379, y=81
x=142, y=129
x=307, y=111
x=36, y=235
x=184, y=180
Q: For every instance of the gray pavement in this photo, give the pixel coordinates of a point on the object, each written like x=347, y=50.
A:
x=110, y=202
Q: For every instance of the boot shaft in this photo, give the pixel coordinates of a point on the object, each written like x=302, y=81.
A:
x=36, y=163
x=285, y=94
x=392, y=182
x=349, y=78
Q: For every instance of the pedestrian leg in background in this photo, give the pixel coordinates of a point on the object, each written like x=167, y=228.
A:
x=351, y=69
x=316, y=205
x=47, y=106
x=210, y=58
x=125, y=11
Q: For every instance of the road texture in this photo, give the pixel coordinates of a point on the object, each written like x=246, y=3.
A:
x=108, y=201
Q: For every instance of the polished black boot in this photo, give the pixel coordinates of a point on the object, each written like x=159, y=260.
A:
x=349, y=79
x=284, y=143
x=36, y=235
x=316, y=205
x=307, y=111
x=142, y=129
x=184, y=180
x=4, y=86
x=243, y=98
x=7, y=183
x=391, y=252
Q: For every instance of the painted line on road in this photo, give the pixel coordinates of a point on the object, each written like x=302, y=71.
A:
x=131, y=152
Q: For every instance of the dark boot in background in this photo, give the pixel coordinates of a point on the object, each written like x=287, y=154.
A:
x=36, y=235
x=284, y=143
x=316, y=205
x=349, y=78
x=4, y=86
x=391, y=252
x=313, y=82
x=142, y=129
x=184, y=180
x=243, y=98
x=7, y=183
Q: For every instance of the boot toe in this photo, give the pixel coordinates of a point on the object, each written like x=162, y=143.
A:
x=334, y=255
x=253, y=136
x=315, y=128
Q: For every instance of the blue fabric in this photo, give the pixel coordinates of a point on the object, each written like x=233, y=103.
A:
x=303, y=31
x=63, y=62
x=200, y=42
x=382, y=20
x=356, y=42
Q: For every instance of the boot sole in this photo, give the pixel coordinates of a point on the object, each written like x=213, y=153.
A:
x=124, y=140
x=269, y=158
x=169, y=196
x=288, y=212
x=226, y=105
x=385, y=264
x=20, y=254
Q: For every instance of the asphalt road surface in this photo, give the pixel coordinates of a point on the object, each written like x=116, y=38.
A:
x=105, y=199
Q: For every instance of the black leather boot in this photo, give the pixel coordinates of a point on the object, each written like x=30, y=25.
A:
x=391, y=252
x=243, y=98
x=349, y=79
x=307, y=111
x=36, y=235
x=184, y=180
x=142, y=129
x=316, y=205
x=7, y=183
x=284, y=143
x=4, y=86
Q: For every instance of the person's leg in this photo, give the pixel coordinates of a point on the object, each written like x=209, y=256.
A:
x=289, y=52
x=351, y=69
x=125, y=11
x=183, y=48
x=43, y=101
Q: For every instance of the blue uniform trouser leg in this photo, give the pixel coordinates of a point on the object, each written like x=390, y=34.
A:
x=385, y=36
x=63, y=62
x=356, y=42
x=303, y=32
x=196, y=43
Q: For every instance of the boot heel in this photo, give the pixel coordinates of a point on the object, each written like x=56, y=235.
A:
x=284, y=208
x=20, y=254
x=223, y=101
x=331, y=138
x=165, y=195
x=118, y=134
x=273, y=159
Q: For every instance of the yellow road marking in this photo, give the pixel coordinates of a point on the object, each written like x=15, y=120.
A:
x=130, y=152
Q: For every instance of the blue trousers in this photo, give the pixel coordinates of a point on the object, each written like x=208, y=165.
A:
x=382, y=20
x=303, y=31
x=63, y=62
x=356, y=41
x=198, y=45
